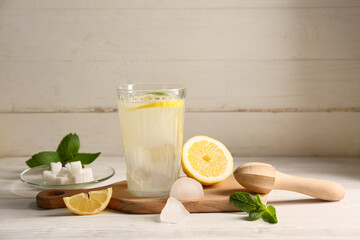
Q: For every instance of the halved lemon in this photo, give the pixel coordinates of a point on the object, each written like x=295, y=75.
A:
x=206, y=160
x=88, y=204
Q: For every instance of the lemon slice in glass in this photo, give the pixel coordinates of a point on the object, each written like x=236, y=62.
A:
x=172, y=104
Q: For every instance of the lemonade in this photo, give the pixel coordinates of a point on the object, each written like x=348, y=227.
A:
x=152, y=134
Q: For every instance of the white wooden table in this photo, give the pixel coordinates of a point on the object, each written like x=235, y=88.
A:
x=300, y=217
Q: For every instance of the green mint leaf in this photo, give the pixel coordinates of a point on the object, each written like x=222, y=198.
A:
x=159, y=94
x=244, y=201
x=261, y=205
x=270, y=215
x=254, y=206
x=255, y=215
x=85, y=158
x=68, y=147
x=43, y=158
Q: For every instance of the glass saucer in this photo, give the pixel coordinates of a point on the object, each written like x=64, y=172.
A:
x=33, y=176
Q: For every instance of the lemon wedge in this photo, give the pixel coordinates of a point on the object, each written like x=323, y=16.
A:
x=172, y=104
x=89, y=204
x=206, y=160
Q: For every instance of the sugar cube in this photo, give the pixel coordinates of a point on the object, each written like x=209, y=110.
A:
x=76, y=168
x=64, y=180
x=75, y=164
x=55, y=167
x=61, y=180
x=70, y=179
x=51, y=179
x=77, y=179
x=63, y=172
x=87, y=175
x=47, y=175
x=68, y=166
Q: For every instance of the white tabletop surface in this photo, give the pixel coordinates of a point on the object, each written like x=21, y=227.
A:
x=300, y=216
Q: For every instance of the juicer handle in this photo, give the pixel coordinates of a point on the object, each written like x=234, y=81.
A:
x=322, y=189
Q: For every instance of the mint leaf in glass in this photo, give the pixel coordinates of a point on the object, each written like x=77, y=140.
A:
x=159, y=94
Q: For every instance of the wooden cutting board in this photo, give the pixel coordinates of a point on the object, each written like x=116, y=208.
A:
x=216, y=199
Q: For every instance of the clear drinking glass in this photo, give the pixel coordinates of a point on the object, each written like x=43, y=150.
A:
x=151, y=121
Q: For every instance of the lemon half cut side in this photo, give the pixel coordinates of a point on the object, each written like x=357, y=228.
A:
x=207, y=160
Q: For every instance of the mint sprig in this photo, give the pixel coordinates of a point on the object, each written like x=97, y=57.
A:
x=67, y=151
x=254, y=206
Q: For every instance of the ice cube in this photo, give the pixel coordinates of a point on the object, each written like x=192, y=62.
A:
x=186, y=189
x=139, y=157
x=173, y=212
x=162, y=158
x=154, y=181
x=76, y=168
x=55, y=167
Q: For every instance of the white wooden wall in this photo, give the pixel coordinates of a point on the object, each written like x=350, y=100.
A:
x=266, y=77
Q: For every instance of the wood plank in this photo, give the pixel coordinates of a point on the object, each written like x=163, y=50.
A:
x=231, y=86
x=172, y=4
x=245, y=134
x=179, y=34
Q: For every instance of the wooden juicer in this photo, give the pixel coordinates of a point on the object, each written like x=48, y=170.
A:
x=262, y=178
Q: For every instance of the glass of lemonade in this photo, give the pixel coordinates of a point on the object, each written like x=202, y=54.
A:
x=151, y=121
